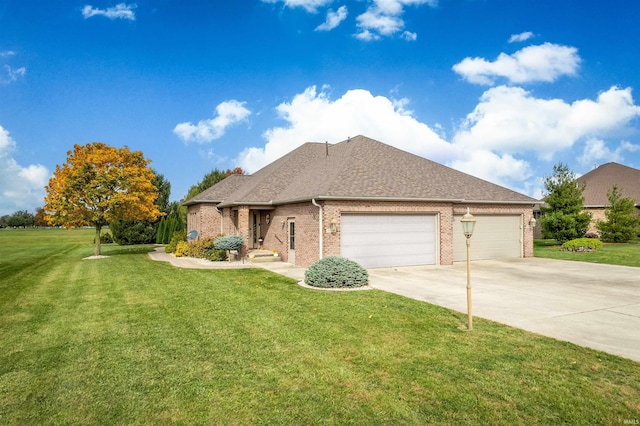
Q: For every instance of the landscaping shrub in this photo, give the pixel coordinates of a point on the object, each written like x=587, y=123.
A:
x=336, y=272
x=229, y=242
x=175, y=239
x=182, y=249
x=582, y=244
x=202, y=249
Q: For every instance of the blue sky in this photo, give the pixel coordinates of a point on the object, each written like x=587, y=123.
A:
x=500, y=89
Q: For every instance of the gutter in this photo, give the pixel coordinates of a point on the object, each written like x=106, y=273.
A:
x=320, y=233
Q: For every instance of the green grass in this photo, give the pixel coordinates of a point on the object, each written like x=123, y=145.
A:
x=126, y=340
x=614, y=254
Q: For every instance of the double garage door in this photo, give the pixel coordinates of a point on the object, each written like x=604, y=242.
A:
x=387, y=240
x=494, y=237
x=379, y=241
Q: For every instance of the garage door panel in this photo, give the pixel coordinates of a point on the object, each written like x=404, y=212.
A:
x=494, y=237
x=388, y=240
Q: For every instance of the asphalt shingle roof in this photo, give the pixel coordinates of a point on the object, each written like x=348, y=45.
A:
x=354, y=169
x=600, y=180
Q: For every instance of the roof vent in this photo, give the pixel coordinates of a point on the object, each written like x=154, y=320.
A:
x=326, y=144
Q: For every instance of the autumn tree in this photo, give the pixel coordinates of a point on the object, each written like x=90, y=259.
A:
x=623, y=222
x=126, y=232
x=564, y=218
x=100, y=184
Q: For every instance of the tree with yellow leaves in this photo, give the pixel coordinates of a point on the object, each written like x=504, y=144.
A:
x=99, y=184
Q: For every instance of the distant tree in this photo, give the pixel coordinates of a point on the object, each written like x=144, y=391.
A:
x=100, y=184
x=21, y=219
x=164, y=192
x=40, y=218
x=4, y=221
x=565, y=217
x=623, y=222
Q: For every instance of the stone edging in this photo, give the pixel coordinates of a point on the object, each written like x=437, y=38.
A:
x=302, y=284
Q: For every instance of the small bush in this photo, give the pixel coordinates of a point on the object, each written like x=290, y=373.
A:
x=582, y=244
x=336, y=272
x=182, y=249
x=105, y=238
x=229, y=242
x=175, y=239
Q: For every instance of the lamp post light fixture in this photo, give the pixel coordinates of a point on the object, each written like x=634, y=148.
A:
x=468, y=223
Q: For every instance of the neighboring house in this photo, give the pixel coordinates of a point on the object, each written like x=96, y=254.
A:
x=601, y=180
x=366, y=201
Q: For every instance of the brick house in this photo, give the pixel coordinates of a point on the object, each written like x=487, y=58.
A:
x=367, y=201
x=601, y=180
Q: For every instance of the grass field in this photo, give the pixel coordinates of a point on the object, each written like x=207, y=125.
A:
x=126, y=340
x=613, y=254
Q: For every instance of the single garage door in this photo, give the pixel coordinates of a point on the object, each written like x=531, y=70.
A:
x=494, y=237
x=379, y=241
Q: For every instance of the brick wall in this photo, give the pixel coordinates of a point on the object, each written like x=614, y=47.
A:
x=306, y=215
x=204, y=218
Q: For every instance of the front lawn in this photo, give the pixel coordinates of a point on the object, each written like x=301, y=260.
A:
x=126, y=340
x=611, y=253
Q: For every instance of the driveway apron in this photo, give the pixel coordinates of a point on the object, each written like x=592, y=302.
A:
x=592, y=305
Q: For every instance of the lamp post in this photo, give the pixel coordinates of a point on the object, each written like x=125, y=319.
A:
x=468, y=223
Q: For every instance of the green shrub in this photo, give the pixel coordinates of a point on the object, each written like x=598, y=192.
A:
x=336, y=272
x=582, y=244
x=229, y=242
x=105, y=238
x=129, y=232
x=175, y=239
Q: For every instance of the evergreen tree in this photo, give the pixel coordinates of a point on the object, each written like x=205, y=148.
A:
x=565, y=217
x=623, y=222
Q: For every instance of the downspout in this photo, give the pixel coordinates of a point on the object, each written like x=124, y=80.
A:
x=221, y=217
x=313, y=201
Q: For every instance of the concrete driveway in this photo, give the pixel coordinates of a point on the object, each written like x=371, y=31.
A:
x=592, y=305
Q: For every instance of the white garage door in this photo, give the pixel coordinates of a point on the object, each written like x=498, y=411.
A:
x=494, y=237
x=379, y=241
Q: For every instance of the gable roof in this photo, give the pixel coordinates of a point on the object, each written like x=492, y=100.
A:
x=362, y=168
x=600, y=180
x=218, y=192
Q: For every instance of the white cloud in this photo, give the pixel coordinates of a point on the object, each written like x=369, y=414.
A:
x=409, y=36
x=309, y=5
x=501, y=169
x=384, y=18
x=597, y=152
x=313, y=116
x=7, y=53
x=510, y=120
x=520, y=37
x=21, y=188
x=13, y=74
x=119, y=11
x=546, y=62
x=228, y=113
x=333, y=19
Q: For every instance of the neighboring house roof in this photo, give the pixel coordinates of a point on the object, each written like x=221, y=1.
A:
x=361, y=168
x=601, y=180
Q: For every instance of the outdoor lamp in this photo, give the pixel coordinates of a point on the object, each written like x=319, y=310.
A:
x=333, y=225
x=532, y=222
x=468, y=223
x=268, y=218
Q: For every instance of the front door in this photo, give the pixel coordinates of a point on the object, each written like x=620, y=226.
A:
x=291, y=239
x=255, y=229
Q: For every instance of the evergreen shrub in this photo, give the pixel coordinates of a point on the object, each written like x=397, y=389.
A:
x=228, y=242
x=336, y=272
